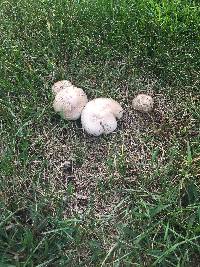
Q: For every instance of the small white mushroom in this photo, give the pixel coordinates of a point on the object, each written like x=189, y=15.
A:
x=58, y=86
x=143, y=103
x=69, y=102
x=99, y=116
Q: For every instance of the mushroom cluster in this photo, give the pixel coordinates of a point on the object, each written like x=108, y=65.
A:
x=98, y=116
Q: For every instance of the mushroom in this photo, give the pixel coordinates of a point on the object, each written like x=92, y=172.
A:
x=143, y=103
x=99, y=116
x=58, y=86
x=69, y=102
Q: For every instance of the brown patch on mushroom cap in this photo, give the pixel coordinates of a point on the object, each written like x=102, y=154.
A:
x=60, y=85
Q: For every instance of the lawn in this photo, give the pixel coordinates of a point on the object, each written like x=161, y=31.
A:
x=131, y=198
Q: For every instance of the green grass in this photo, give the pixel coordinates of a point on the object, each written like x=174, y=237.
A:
x=131, y=198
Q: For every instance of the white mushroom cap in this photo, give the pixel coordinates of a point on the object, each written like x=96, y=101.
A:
x=99, y=116
x=69, y=102
x=58, y=86
x=143, y=103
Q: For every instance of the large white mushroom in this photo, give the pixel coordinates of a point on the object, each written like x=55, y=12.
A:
x=143, y=103
x=69, y=102
x=99, y=116
x=60, y=85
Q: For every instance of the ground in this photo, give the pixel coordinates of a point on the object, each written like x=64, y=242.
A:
x=127, y=199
